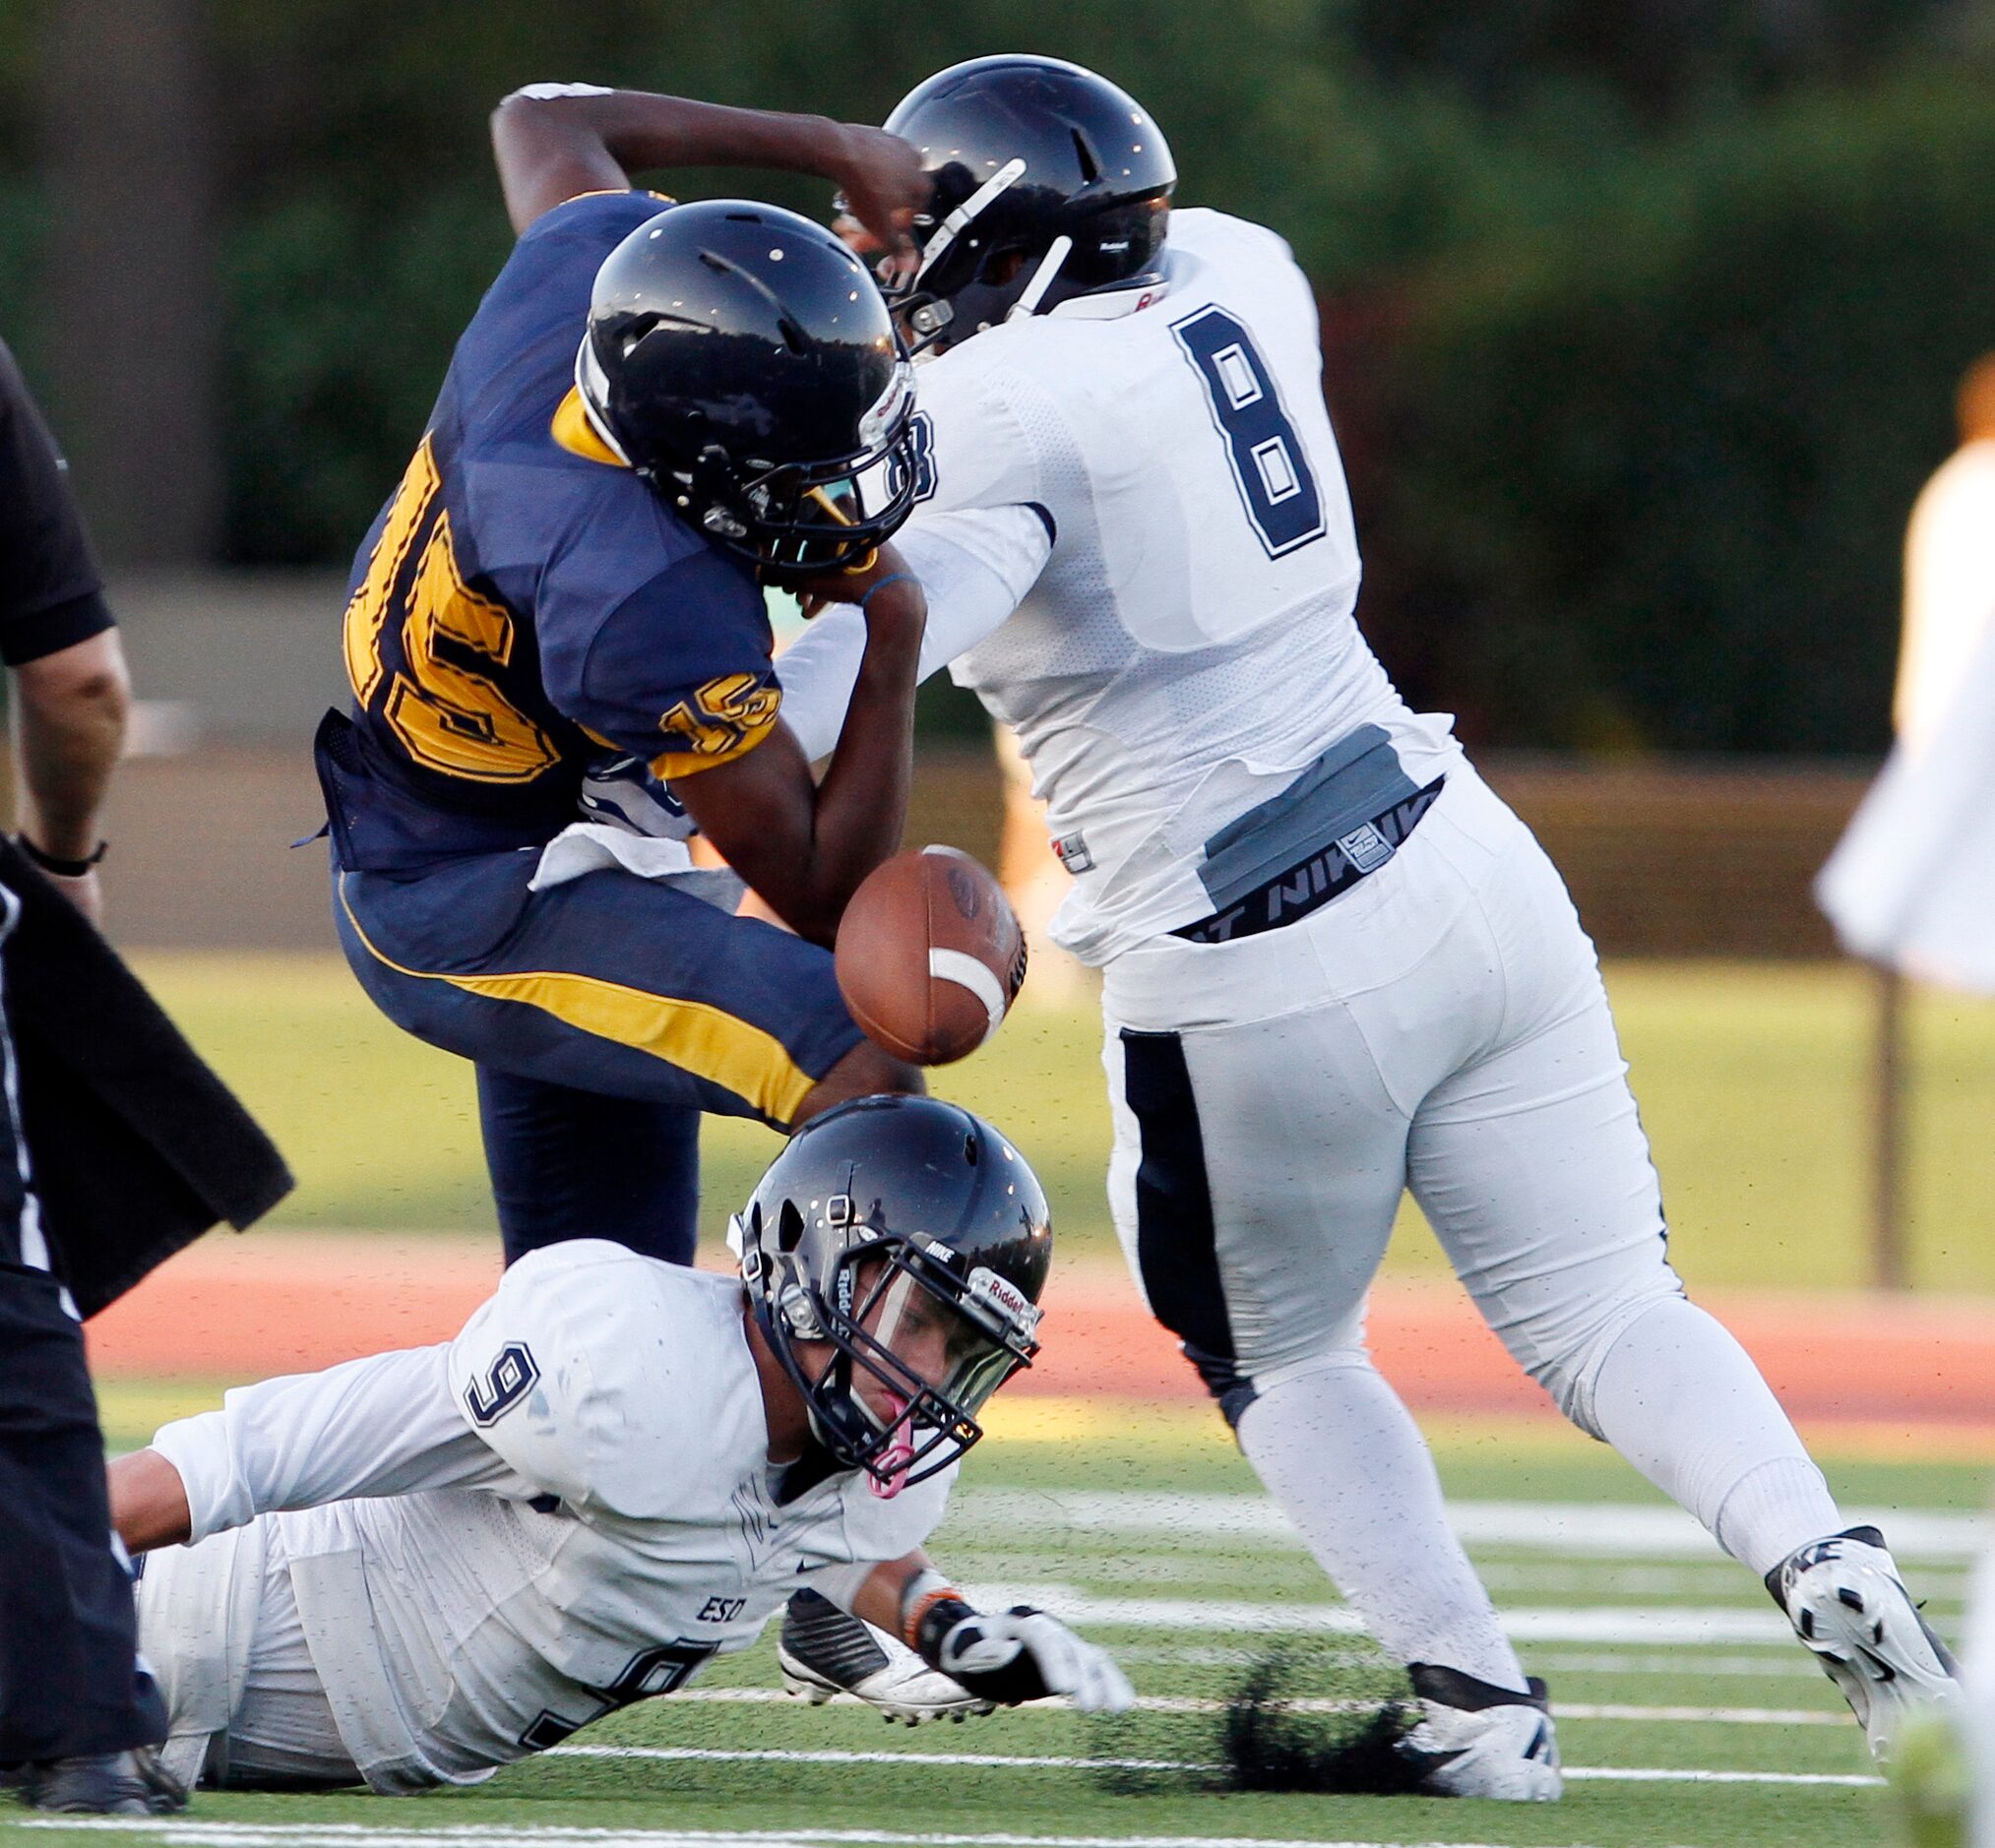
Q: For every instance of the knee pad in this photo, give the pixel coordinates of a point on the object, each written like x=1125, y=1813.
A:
x=1571, y=1371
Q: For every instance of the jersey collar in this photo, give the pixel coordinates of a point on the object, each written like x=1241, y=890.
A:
x=575, y=430
x=1110, y=304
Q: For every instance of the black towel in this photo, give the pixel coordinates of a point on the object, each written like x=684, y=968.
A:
x=137, y=1147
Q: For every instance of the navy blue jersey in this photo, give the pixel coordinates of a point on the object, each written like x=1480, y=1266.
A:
x=525, y=604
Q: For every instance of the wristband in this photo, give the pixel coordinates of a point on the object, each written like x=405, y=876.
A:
x=929, y=1607
x=76, y=869
x=899, y=576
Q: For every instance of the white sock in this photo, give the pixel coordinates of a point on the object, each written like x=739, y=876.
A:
x=1347, y=1465
x=1681, y=1401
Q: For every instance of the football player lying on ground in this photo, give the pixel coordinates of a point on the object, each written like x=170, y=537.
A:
x=1335, y=966
x=412, y=1569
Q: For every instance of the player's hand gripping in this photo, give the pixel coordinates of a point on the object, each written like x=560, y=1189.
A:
x=880, y=183
x=1021, y=1654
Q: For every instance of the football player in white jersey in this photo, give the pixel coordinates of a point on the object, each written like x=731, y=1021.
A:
x=1335, y=966
x=409, y=1569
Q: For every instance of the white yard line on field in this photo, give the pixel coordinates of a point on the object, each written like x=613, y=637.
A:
x=1603, y=1529
x=1192, y=1704
x=1786, y=1665
x=1624, y=1774
x=1018, y=1761
x=1652, y=1625
x=1701, y=1716
x=192, y=1834
x=830, y=1754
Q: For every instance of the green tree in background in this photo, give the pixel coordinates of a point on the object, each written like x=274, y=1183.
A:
x=1662, y=453
x=1641, y=321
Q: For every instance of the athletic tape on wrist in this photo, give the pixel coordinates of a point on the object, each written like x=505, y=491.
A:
x=918, y=1598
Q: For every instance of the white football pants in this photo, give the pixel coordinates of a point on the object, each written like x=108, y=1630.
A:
x=243, y=1698
x=1441, y=1027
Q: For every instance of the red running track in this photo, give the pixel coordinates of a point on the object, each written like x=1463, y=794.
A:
x=246, y=1306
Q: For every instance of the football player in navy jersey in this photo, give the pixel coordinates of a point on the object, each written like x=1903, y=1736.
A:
x=560, y=665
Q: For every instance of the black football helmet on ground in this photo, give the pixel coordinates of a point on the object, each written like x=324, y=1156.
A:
x=741, y=359
x=888, y=1227
x=1050, y=183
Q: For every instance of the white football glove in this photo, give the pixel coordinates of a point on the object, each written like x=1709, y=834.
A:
x=1022, y=1654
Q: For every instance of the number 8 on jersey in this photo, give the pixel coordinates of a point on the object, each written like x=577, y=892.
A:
x=1270, y=468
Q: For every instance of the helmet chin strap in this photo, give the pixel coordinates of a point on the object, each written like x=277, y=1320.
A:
x=1042, y=279
x=961, y=218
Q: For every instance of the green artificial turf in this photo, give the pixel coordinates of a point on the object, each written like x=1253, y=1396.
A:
x=714, y=1772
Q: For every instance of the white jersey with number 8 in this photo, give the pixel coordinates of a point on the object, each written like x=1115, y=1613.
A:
x=1189, y=644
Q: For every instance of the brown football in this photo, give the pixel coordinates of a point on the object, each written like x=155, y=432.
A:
x=931, y=955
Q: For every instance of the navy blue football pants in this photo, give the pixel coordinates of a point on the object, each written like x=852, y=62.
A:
x=604, y=1017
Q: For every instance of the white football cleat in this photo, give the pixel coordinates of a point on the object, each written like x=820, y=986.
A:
x=1847, y=1604
x=822, y=1651
x=1480, y=1741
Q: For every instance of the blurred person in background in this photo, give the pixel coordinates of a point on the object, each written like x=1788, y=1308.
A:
x=1950, y=565
x=117, y=1147
x=1911, y=884
x=1912, y=888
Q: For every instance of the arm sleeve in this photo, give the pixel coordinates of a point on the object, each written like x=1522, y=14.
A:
x=386, y=1424
x=679, y=672
x=976, y=567
x=50, y=593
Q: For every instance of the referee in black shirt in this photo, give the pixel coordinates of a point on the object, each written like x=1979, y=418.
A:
x=77, y=1710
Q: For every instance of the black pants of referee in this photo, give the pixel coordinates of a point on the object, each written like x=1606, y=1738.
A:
x=70, y=1680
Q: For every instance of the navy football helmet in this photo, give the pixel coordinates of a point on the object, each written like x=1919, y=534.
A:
x=1049, y=183
x=741, y=359
x=909, y=1237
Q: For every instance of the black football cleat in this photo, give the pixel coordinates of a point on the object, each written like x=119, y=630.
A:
x=108, y=1783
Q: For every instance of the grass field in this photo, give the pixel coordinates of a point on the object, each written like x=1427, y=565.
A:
x=1751, y=1081
x=1688, y=1718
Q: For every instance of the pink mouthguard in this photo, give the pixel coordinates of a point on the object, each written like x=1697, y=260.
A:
x=896, y=1458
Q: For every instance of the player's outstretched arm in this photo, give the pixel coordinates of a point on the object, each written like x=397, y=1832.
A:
x=805, y=847
x=149, y=1502
x=1009, y=1656
x=385, y=1425
x=556, y=141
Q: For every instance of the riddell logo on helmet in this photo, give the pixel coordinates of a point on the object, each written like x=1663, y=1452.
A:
x=986, y=1286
